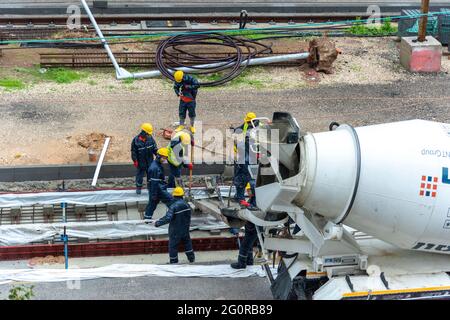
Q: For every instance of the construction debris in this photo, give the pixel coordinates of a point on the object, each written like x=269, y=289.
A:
x=322, y=54
x=93, y=141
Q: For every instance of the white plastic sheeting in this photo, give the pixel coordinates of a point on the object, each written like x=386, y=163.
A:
x=129, y=271
x=88, y=198
x=23, y=234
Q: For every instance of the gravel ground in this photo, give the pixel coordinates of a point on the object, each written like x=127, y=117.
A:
x=43, y=123
x=151, y=288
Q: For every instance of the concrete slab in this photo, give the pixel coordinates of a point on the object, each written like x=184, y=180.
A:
x=421, y=56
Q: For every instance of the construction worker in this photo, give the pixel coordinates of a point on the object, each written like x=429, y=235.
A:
x=179, y=218
x=245, y=157
x=143, y=151
x=245, y=257
x=157, y=187
x=186, y=88
x=178, y=156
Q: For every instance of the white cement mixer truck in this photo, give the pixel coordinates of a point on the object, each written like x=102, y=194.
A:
x=355, y=213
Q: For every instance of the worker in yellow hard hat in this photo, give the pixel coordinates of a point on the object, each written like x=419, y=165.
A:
x=246, y=156
x=179, y=156
x=157, y=186
x=179, y=218
x=143, y=151
x=186, y=88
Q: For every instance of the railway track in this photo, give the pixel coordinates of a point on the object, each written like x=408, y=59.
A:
x=100, y=59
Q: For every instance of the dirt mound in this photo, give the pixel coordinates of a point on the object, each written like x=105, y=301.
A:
x=92, y=140
x=46, y=260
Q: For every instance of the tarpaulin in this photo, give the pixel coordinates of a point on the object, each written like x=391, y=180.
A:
x=22, y=234
x=89, y=198
x=129, y=271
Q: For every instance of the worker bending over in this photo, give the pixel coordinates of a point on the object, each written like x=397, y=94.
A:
x=245, y=157
x=143, y=151
x=157, y=187
x=186, y=88
x=179, y=218
x=245, y=257
x=179, y=156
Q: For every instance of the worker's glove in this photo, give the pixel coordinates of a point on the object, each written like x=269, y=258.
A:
x=190, y=166
x=244, y=203
x=135, y=163
x=156, y=224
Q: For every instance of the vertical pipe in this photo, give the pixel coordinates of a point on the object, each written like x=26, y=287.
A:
x=119, y=70
x=423, y=21
x=66, y=248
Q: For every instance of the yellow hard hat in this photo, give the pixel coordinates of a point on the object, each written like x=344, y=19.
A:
x=178, y=192
x=147, y=127
x=164, y=152
x=178, y=75
x=248, y=186
x=185, y=138
x=250, y=116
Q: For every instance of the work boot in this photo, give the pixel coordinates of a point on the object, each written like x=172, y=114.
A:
x=238, y=265
x=179, y=128
x=192, y=130
x=138, y=190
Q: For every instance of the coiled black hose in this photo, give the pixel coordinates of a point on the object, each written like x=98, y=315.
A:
x=169, y=51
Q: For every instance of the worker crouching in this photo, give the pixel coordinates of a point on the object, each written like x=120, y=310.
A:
x=178, y=157
x=179, y=218
x=143, y=151
x=186, y=88
x=157, y=186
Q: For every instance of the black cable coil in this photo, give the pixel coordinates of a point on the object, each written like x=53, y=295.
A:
x=169, y=51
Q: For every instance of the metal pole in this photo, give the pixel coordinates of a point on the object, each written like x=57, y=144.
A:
x=100, y=162
x=424, y=21
x=119, y=71
x=253, y=62
x=65, y=238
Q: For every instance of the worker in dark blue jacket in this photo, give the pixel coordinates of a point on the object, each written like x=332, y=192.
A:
x=157, y=186
x=245, y=257
x=143, y=151
x=245, y=157
x=179, y=218
x=186, y=87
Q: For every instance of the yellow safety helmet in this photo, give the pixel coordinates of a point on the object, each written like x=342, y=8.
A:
x=250, y=116
x=178, y=192
x=178, y=75
x=147, y=127
x=163, y=152
x=248, y=186
x=185, y=138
